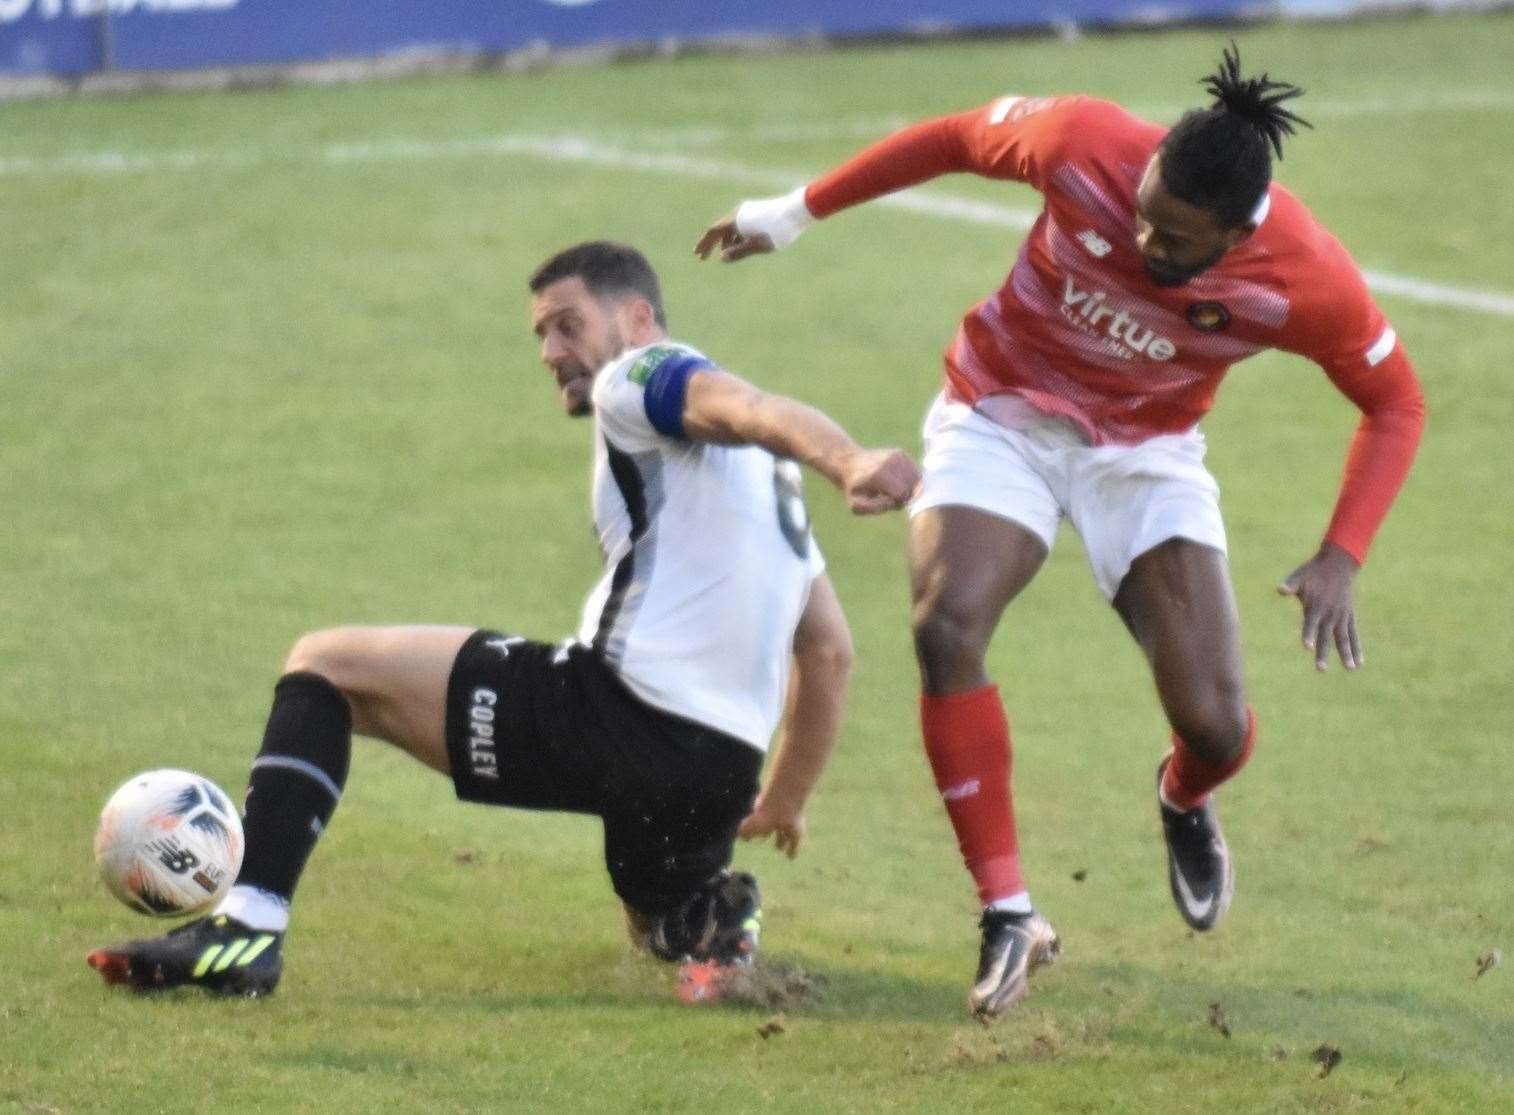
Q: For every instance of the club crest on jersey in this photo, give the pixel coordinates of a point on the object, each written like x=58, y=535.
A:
x=1208, y=317
x=1097, y=246
x=1124, y=335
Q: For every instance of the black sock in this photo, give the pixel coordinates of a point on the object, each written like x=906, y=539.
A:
x=296, y=781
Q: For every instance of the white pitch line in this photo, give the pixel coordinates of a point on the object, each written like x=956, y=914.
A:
x=1438, y=294
x=963, y=209
x=581, y=150
x=561, y=149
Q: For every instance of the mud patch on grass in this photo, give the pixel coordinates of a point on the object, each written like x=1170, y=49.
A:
x=1026, y=1038
x=1487, y=962
x=774, y=985
x=1217, y=1020
x=1325, y=1057
x=773, y=1027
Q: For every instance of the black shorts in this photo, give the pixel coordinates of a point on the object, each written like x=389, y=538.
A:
x=538, y=726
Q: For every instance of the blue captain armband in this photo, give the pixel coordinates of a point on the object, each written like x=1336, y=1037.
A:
x=666, y=388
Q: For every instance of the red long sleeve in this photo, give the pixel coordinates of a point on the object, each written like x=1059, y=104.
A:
x=917, y=154
x=1382, y=450
x=1013, y=138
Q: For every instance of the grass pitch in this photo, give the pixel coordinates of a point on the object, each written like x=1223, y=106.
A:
x=265, y=367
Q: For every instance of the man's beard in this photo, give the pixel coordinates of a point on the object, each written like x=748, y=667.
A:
x=578, y=399
x=583, y=406
x=1165, y=275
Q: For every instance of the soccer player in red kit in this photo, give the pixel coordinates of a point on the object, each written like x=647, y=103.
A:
x=1160, y=259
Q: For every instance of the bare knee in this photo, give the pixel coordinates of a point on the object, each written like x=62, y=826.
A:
x=334, y=654
x=344, y=656
x=950, y=645
x=1214, y=726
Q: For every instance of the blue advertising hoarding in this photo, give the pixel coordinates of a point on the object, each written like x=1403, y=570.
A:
x=50, y=37
x=76, y=37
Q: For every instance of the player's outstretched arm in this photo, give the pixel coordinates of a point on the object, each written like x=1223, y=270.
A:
x=812, y=720
x=725, y=409
x=1010, y=139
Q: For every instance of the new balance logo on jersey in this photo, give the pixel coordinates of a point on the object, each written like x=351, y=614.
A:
x=1089, y=311
x=1097, y=246
x=481, y=719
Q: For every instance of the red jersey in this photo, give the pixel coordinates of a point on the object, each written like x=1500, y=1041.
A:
x=1080, y=330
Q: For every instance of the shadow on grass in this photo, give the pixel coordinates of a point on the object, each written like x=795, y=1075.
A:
x=788, y=982
x=1076, y=1010
x=366, y=1062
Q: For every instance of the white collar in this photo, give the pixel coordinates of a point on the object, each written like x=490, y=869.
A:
x=1263, y=207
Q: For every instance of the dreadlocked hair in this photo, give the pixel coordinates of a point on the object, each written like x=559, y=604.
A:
x=1218, y=158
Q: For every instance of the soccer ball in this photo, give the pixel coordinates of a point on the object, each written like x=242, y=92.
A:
x=169, y=843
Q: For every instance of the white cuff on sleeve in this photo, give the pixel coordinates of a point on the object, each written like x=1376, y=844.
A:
x=780, y=219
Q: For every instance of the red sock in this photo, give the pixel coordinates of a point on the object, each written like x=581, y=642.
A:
x=967, y=743
x=1188, y=779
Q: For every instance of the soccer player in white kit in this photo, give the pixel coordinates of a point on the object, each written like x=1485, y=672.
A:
x=656, y=717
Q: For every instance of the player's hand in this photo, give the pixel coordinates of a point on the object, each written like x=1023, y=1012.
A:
x=733, y=245
x=878, y=480
x=784, y=824
x=1323, y=586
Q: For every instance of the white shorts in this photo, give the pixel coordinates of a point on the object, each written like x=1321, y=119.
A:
x=1034, y=469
